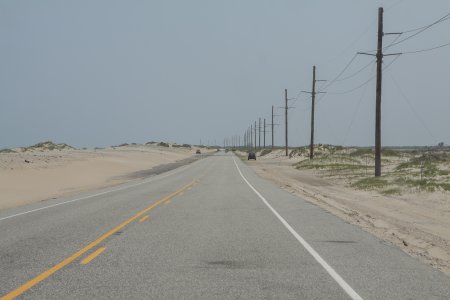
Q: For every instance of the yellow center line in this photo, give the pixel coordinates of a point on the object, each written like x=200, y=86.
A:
x=143, y=218
x=28, y=285
x=92, y=256
x=167, y=202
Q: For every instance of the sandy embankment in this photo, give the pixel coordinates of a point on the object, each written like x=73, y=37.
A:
x=418, y=223
x=51, y=174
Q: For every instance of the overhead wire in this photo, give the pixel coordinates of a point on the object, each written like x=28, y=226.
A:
x=364, y=83
x=357, y=72
x=356, y=111
x=328, y=84
x=444, y=18
x=426, y=50
x=423, y=27
x=411, y=106
x=352, y=43
x=353, y=89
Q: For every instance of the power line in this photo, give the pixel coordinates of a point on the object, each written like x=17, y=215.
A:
x=395, y=40
x=426, y=50
x=353, y=89
x=357, y=72
x=352, y=43
x=411, y=106
x=364, y=83
x=444, y=18
x=340, y=73
x=355, y=112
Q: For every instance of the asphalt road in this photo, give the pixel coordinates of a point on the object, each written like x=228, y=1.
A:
x=208, y=230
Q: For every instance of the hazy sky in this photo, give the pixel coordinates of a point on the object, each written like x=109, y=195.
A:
x=98, y=73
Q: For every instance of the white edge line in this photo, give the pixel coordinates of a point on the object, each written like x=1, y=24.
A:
x=344, y=285
x=98, y=194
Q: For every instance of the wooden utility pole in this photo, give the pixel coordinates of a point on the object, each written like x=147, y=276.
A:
x=313, y=100
x=313, y=105
x=379, y=56
x=251, y=137
x=259, y=134
x=264, y=133
x=378, y=94
x=286, y=120
x=255, y=136
x=272, y=129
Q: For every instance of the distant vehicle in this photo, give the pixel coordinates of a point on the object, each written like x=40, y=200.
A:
x=198, y=151
x=251, y=155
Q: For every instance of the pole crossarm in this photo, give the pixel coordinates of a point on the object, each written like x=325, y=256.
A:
x=391, y=54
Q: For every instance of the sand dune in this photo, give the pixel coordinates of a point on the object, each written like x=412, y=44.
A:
x=39, y=174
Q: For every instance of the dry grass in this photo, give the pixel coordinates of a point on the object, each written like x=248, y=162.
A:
x=403, y=170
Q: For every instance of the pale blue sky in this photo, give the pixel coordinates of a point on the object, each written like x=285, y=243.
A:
x=98, y=73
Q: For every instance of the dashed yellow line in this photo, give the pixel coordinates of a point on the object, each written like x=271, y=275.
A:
x=89, y=258
x=143, y=218
x=167, y=202
x=28, y=285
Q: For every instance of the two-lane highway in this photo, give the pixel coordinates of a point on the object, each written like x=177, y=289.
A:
x=208, y=230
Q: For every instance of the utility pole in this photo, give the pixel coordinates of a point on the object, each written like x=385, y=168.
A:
x=264, y=133
x=313, y=105
x=259, y=134
x=378, y=94
x=313, y=100
x=251, y=137
x=286, y=120
x=272, y=128
x=255, y=136
x=379, y=57
x=246, y=139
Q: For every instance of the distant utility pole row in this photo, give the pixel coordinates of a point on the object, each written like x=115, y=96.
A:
x=250, y=136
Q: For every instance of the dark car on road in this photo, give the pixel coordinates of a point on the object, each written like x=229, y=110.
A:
x=251, y=155
x=198, y=151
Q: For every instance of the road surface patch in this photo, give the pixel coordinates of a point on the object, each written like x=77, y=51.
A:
x=28, y=285
x=342, y=283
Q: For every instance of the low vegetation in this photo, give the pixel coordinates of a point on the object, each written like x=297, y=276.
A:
x=162, y=144
x=181, y=146
x=265, y=152
x=7, y=151
x=404, y=170
x=48, y=146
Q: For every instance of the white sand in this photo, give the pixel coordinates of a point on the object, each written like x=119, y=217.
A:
x=52, y=174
